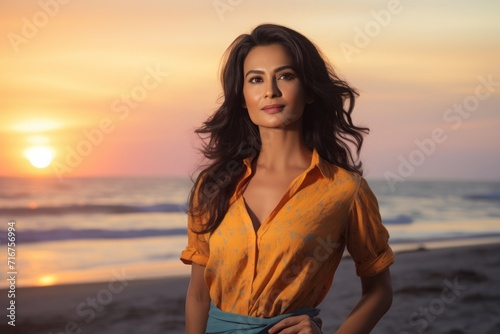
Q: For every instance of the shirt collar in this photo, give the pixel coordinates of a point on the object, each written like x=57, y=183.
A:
x=326, y=169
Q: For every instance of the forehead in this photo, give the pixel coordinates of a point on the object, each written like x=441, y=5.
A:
x=267, y=57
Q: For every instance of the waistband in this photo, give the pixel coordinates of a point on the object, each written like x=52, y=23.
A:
x=220, y=322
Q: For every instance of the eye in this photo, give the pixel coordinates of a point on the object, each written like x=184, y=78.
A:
x=256, y=79
x=287, y=76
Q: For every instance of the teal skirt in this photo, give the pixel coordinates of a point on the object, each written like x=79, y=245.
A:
x=220, y=322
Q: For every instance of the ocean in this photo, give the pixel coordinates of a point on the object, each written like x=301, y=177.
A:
x=87, y=229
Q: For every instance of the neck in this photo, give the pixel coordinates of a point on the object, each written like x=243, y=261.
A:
x=283, y=149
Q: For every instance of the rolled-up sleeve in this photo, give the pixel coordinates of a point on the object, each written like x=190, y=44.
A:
x=366, y=238
x=197, y=250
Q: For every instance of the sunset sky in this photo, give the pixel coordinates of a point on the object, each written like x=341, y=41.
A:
x=116, y=88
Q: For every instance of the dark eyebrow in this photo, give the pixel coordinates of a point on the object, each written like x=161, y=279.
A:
x=281, y=68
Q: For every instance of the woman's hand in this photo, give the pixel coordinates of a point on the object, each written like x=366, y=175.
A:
x=300, y=324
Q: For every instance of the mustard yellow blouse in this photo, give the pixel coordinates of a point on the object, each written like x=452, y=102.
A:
x=289, y=263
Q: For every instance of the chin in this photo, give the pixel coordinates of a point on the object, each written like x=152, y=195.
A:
x=277, y=121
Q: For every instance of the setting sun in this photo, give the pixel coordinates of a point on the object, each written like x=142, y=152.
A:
x=46, y=280
x=39, y=156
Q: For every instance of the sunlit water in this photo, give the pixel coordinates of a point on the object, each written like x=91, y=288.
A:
x=82, y=230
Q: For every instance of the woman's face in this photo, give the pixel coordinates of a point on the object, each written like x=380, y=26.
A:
x=272, y=91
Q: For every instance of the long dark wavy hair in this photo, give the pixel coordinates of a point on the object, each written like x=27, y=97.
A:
x=230, y=136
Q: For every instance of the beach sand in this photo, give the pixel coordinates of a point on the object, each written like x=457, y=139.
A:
x=449, y=290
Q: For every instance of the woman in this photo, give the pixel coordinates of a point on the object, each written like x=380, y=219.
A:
x=281, y=197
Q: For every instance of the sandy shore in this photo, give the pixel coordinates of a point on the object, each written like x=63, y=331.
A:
x=450, y=291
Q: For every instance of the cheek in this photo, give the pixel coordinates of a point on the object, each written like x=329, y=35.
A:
x=250, y=96
x=299, y=94
x=297, y=97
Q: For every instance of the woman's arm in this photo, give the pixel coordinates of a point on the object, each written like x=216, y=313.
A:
x=376, y=299
x=197, y=301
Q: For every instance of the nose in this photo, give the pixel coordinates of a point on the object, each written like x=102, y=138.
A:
x=272, y=89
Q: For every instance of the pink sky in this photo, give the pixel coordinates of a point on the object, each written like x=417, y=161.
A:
x=422, y=70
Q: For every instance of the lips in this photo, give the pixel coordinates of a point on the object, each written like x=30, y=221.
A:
x=273, y=108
